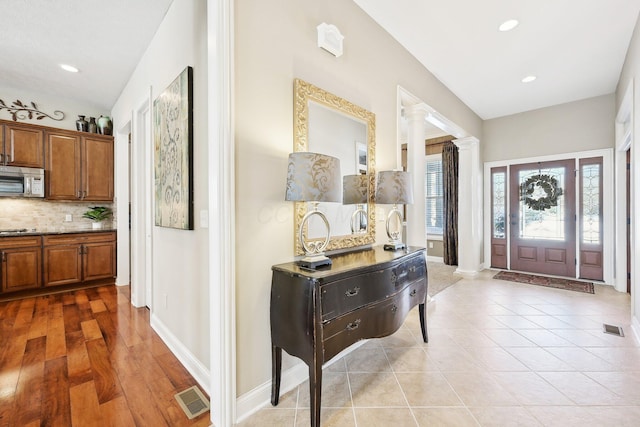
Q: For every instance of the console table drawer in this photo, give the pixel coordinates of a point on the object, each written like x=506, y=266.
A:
x=343, y=296
x=376, y=320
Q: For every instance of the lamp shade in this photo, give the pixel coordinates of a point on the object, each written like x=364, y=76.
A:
x=355, y=189
x=313, y=177
x=394, y=187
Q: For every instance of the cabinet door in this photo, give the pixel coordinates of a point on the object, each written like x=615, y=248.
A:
x=24, y=146
x=62, y=170
x=21, y=269
x=97, y=169
x=62, y=265
x=99, y=260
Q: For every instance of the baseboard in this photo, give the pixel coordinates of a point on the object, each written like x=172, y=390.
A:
x=635, y=327
x=254, y=400
x=467, y=274
x=199, y=372
x=435, y=259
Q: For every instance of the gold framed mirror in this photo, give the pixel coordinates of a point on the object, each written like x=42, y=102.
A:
x=327, y=124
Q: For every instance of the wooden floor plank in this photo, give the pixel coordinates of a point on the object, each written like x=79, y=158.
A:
x=116, y=413
x=78, y=364
x=87, y=357
x=91, y=330
x=30, y=383
x=56, y=346
x=56, y=408
x=85, y=409
x=106, y=380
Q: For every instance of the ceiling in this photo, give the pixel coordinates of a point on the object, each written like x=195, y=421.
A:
x=576, y=48
x=104, y=39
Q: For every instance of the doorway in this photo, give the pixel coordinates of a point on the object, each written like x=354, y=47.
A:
x=542, y=218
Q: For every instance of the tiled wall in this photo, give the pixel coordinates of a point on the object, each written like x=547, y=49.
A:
x=46, y=216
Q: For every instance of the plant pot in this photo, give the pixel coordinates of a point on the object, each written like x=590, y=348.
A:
x=96, y=225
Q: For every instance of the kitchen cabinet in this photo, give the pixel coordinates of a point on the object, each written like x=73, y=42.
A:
x=79, y=257
x=21, y=145
x=79, y=166
x=20, y=263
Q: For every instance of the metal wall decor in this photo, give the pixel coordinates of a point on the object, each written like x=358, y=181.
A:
x=173, y=163
x=29, y=111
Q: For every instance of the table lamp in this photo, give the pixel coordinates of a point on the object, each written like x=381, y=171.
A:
x=394, y=187
x=355, y=189
x=314, y=178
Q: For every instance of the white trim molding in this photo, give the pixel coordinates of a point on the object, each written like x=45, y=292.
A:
x=221, y=212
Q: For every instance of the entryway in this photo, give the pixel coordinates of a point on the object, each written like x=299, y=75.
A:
x=547, y=216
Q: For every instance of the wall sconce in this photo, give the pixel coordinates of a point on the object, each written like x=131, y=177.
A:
x=394, y=187
x=355, y=189
x=313, y=177
x=330, y=39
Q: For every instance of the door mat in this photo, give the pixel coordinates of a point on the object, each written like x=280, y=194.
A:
x=550, y=282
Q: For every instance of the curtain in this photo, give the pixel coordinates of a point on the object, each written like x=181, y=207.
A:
x=450, y=200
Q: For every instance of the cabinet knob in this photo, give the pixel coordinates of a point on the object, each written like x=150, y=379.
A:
x=352, y=292
x=413, y=292
x=394, y=308
x=413, y=268
x=353, y=325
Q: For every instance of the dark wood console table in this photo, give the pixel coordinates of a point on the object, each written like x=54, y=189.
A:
x=315, y=314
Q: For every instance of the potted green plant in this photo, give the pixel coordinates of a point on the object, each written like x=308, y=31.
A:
x=97, y=214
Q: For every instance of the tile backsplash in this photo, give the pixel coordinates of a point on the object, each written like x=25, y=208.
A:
x=46, y=216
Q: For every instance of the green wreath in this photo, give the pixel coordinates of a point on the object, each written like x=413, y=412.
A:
x=550, y=186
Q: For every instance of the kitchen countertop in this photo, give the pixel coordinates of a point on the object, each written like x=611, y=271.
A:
x=56, y=231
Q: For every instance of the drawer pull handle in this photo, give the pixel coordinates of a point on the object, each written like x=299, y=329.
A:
x=352, y=292
x=353, y=325
x=394, y=308
x=413, y=268
x=413, y=292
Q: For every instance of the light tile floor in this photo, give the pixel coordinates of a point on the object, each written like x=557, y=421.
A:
x=499, y=354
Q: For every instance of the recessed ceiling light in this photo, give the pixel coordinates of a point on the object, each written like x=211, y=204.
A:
x=69, y=68
x=508, y=25
x=528, y=79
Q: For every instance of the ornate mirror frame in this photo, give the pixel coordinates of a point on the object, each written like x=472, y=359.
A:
x=304, y=93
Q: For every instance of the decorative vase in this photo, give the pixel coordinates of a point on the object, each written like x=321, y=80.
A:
x=93, y=126
x=81, y=124
x=105, y=126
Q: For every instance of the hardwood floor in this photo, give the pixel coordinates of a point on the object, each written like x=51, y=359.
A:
x=87, y=358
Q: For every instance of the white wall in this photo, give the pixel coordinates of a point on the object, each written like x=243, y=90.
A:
x=49, y=104
x=576, y=126
x=275, y=42
x=180, y=266
x=631, y=74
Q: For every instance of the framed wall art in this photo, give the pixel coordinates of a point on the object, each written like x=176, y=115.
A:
x=173, y=160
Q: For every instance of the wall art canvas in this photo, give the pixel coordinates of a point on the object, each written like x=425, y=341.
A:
x=173, y=160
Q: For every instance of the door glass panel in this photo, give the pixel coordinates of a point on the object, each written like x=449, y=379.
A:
x=591, y=204
x=537, y=223
x=499, y=204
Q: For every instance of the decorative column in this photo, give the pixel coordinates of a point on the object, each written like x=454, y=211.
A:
x=469, y=206
x=415, y=220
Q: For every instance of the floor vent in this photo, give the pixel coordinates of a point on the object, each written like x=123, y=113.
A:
x=192, y=402
x=613, y=330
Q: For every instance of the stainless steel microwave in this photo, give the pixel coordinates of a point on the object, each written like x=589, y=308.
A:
x=21, y=182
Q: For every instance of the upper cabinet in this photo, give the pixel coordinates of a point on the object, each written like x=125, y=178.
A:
x=79, y=166
x=21, y=145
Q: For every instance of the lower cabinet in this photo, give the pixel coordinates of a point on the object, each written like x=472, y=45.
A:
x=20, y=263
x=76, y=258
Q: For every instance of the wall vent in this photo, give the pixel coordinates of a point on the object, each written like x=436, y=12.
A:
x=192, y=402
x=613, y=330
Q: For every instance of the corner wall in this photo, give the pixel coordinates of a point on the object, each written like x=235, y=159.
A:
x=631, y=73
x=180, y=307
x=276, y=42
